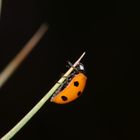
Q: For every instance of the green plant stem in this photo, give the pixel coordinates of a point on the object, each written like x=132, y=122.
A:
x=36, y=108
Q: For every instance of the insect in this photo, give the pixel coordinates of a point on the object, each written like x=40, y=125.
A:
x=72, y=87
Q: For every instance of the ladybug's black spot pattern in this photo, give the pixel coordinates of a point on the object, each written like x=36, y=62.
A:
x=64, y=98
x=76, y=83
x=79, y=93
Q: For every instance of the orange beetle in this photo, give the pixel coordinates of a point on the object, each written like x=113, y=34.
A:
x=73, y=86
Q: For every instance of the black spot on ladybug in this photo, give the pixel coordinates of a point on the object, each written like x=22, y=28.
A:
x=76, y=83
x=64, y=98
x=79, y=93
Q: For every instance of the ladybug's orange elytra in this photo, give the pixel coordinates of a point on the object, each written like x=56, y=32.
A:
x=72, y=91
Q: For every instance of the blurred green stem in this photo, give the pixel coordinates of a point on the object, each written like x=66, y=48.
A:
x=13, y=65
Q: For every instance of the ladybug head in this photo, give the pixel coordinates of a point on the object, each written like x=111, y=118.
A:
x=80, y=67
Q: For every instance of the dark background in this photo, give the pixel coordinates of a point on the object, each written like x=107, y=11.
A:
x=108, y=32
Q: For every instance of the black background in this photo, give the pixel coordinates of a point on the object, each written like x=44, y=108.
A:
x=108, y=108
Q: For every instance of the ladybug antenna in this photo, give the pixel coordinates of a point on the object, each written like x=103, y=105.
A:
x=71, y=65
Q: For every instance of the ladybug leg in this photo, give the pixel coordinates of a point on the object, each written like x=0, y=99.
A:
x=64, y=84
x=67, y=79
x=71, y=65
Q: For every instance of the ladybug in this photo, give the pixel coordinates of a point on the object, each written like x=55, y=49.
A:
x=72, y=87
